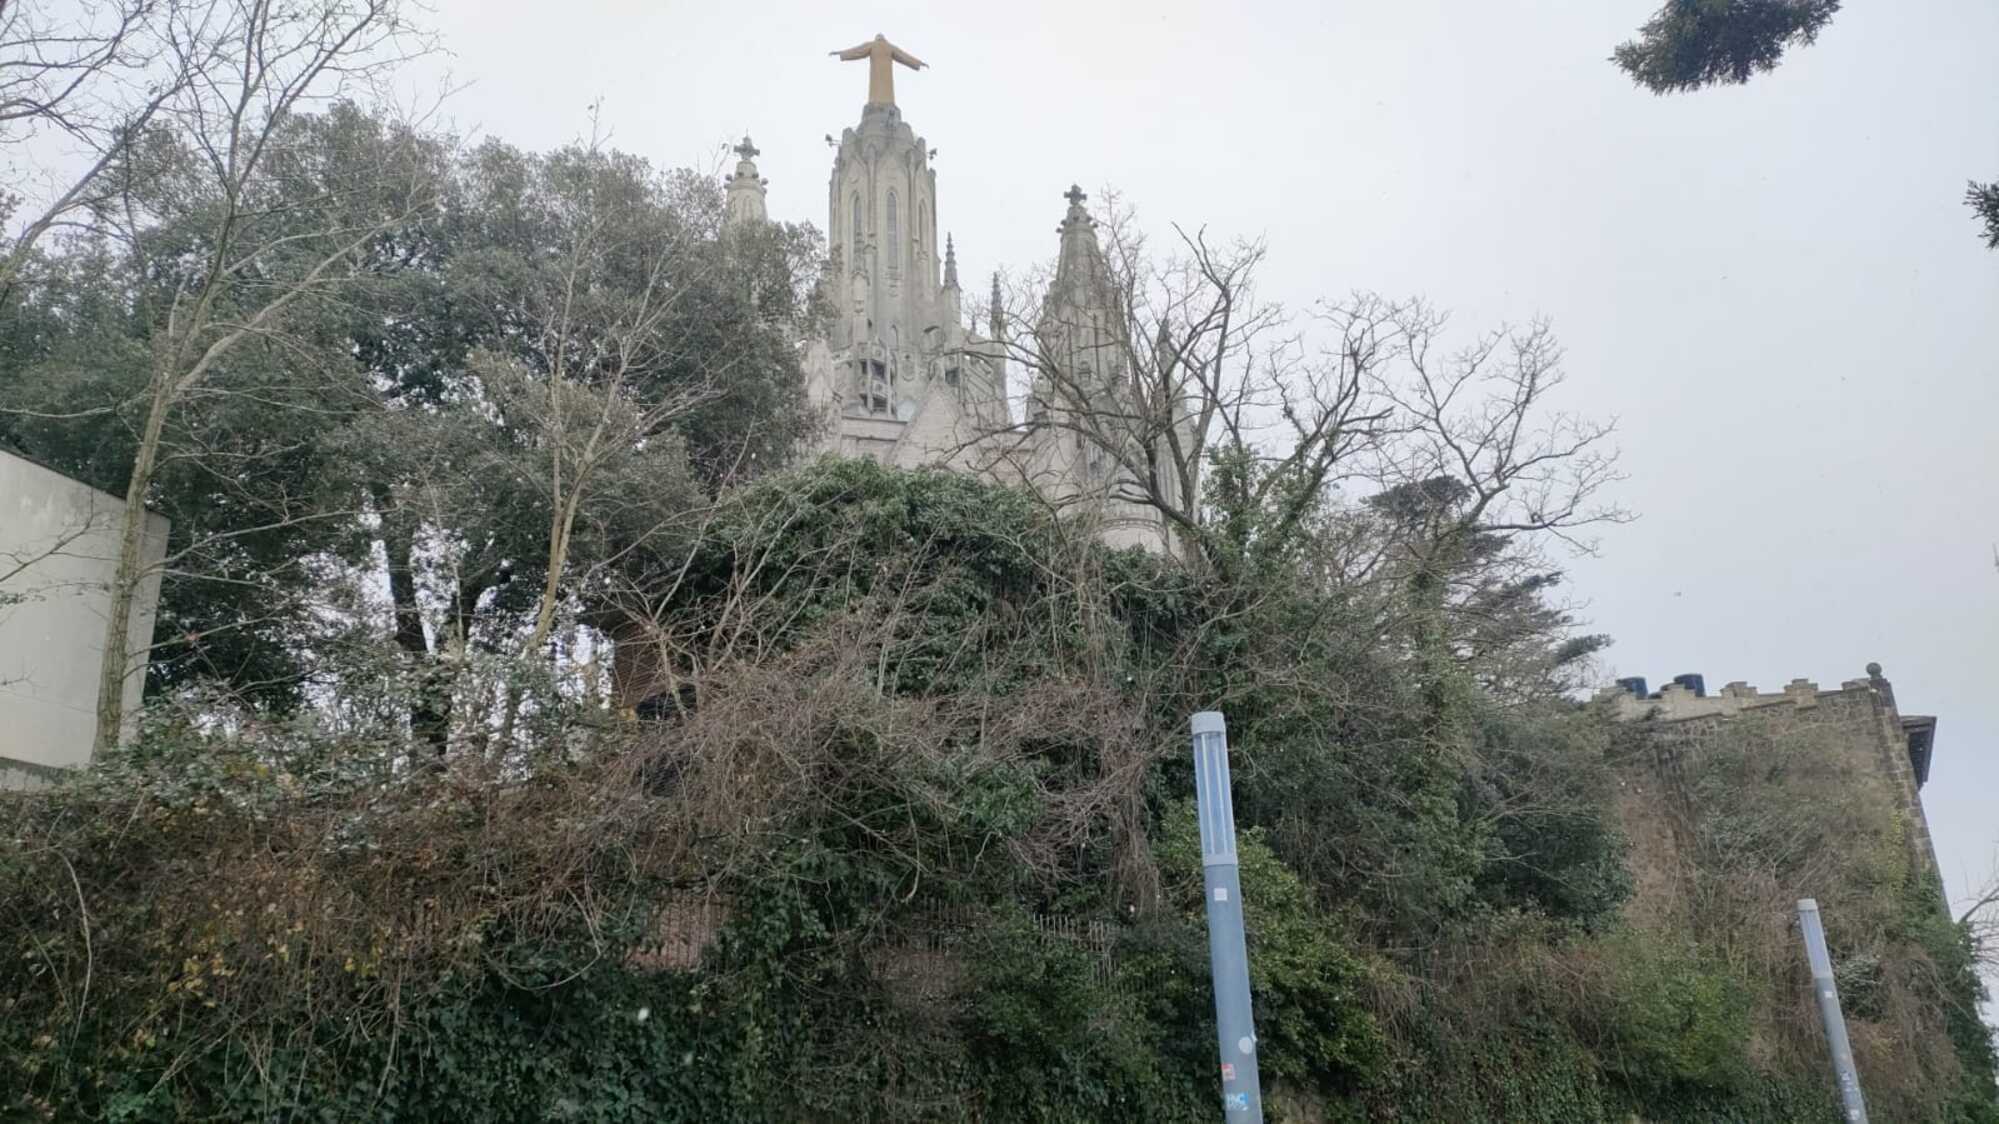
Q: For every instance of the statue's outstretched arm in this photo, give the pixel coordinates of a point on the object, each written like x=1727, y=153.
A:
x=906, y=59
x=852, y=53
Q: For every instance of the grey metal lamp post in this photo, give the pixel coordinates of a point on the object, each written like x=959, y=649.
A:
x=1228, y=957
x=1835, y=1022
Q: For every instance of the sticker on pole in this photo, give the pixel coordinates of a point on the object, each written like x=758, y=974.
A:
x=1235, y=1102
x=1221, y=893
x=1228, y=1072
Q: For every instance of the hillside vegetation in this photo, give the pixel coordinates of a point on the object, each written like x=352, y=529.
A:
x=531, y=733
x=924, y=707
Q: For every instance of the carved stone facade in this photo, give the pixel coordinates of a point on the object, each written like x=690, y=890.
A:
x=902, y=379
x=1081, y=369
x=898, y=378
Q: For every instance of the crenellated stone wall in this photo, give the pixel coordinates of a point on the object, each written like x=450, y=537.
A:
x=1858, y=721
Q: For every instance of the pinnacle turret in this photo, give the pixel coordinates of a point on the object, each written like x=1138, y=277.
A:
x=950, y=263
x=745, y=187
x=1080, y=273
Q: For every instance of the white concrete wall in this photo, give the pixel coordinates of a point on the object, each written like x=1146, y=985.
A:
x=58, y=552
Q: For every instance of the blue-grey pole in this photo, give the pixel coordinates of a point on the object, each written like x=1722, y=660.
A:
x=1835, y=1023
x=1228, y=958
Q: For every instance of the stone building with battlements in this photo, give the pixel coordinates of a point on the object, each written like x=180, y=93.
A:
x=1858, y=722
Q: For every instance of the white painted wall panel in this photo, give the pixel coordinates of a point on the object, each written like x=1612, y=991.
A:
x=58, y=551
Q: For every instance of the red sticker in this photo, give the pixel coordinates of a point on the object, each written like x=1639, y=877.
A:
x=1228, y=1072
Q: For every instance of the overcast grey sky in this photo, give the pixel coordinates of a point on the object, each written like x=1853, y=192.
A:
x=1776, y=290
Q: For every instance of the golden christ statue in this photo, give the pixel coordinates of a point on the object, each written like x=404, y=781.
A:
x=882, y=56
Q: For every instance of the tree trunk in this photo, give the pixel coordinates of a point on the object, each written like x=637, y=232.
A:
x=1429, y=593
x=561, y=531
x=454, y=649
x=551, y=589
x=430, y=707
x=115, y=665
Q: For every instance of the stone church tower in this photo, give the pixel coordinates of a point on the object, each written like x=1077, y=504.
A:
x=900, y=378
x=1079, y=413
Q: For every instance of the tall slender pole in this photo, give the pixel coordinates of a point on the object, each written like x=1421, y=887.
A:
x=1835, y=1023
x=1228, y=957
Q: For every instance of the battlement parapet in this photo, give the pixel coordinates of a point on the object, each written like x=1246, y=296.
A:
x=1858, y=720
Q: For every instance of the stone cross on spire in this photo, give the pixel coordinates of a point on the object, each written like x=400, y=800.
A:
x=1078, y=218
x=882, y=56
x=745, y=188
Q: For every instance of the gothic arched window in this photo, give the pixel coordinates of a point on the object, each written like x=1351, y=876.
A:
x=859, y=216
x=894, y=243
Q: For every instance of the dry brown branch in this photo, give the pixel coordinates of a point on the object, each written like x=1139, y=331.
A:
x=1141, y=366
x=1979, y=917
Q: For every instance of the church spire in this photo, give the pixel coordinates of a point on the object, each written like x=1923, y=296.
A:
x=998, y=314
x=950, y=263
x=1079, y=271
x=746, y=188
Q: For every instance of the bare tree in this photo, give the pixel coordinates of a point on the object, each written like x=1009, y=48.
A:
x=1980, y=919
x=1479, y=471
x=1150, y=364
x=600, y=342
x=216, y=156
x=89, y=80
x=82, y=81
x=1480, y=416
x=1164, y=383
